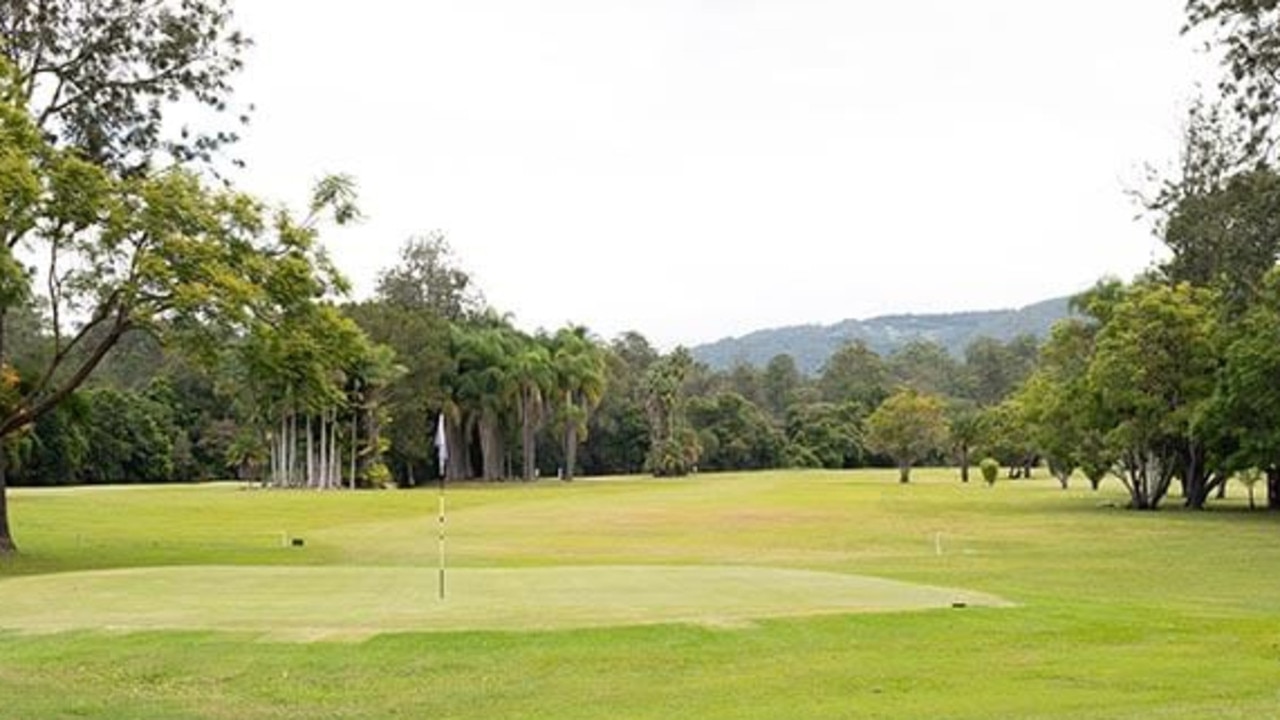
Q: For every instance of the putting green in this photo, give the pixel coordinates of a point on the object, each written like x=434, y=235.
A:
x=355, y=602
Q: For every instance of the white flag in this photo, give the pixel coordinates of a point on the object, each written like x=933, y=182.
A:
x=442, y=444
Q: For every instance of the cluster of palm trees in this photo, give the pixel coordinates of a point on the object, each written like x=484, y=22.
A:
x=505, y=386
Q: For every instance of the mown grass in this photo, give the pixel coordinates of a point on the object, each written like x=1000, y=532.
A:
x=1119, y=614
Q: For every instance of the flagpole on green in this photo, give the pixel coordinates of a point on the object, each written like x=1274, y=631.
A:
x=442, y=452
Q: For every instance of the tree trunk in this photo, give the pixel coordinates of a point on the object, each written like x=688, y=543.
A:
x=1150, y=477
x=311, y=455
x=458, y=466
x=1198, y=483
x=285, y=458
x=490, y=446
x=335, y=472
x=375, y=438
x=275, y=459
x=1135, y=483
x=331, y=480
x=294, y=468
x=282, y=453
x=528, y=438
x=326, y=451
x=322, y=452
x=570, y=449
x=1273, y=488
x=7, y=546
x=355, y=443
x=964, y=464
x=904, y=472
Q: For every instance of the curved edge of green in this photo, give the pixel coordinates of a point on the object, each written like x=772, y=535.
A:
x=352, y=602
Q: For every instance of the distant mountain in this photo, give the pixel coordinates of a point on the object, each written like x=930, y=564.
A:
x=811, y=345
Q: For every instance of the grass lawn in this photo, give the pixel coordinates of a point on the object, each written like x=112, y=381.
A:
x=732, y=596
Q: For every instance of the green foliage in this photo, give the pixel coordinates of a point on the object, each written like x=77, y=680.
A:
x=1226, y=237
x=676, y=455
x=907, y=427
x=964, y=427
x=825, y=435
x=377, y=475
x=926, y=367
x=1006, y=436
x=734, y=434
x=483, y=388
x=855, y=373
x=994, y=369
x=619, y=438
x=1245, y=31
x=1057, y=406
x=578, y=385
x=1151, y=375
x=1249, y=478
x=990, y=468
x=779, y=384
x=129, y=439
x=1243, y=415
x=673, y=448
x=429, y=281
x=55, y=450
x=421, y=342
x=98, y=76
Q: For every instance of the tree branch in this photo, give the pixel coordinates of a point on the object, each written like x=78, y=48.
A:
x=26, y=415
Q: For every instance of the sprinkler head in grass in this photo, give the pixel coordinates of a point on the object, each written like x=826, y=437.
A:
x=958, y=604
x=298, y=542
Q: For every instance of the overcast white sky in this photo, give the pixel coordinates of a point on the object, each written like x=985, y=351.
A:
x=699, y=168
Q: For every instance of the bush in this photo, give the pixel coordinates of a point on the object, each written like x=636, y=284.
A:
x=379, y=476
x=990, y=470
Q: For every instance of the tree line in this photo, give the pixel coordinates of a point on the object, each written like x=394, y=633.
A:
x=347, y=394
x=158, y=324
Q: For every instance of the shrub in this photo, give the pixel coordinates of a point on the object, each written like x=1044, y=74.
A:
x=990, y=470
x=379, y=476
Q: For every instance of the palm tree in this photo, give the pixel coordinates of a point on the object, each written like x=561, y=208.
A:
x=485, y=388
x=534, y=377
x=579, y=382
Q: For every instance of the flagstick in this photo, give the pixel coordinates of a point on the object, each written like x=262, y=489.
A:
x=442, y=536
x=442, y=451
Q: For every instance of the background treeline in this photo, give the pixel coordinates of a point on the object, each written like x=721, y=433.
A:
x=1170, y=382
x=155, y=327
x=345, y=394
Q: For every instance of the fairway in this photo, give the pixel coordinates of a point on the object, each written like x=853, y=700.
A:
x=354, y=602
x=751, y=595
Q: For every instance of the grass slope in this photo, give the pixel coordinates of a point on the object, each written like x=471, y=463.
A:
x=1119, y=614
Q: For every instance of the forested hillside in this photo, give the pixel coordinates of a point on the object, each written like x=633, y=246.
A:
x=811, y=345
